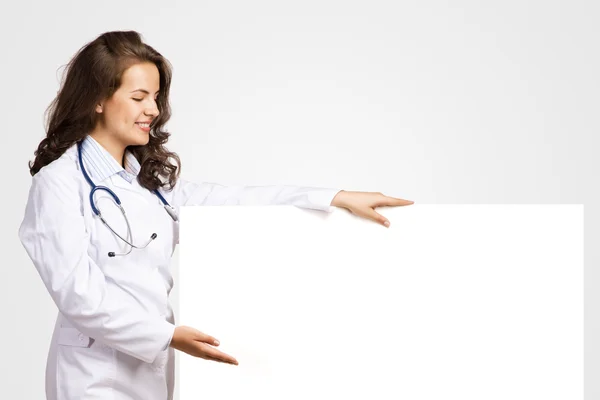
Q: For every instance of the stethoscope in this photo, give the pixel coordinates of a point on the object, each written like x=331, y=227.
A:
x=170, y=210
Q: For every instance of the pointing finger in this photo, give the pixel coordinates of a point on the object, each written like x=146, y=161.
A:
x=216, y=355
x=392, y=202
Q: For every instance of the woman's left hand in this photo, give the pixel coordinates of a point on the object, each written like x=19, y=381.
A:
x=363, y=204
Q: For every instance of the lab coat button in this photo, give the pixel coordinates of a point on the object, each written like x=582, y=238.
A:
x=81, y=337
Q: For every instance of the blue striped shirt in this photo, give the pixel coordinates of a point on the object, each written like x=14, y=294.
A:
x=100, y=164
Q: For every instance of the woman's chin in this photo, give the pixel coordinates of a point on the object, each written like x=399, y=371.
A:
x=140, y=140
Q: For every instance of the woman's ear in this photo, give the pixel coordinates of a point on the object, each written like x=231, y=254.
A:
x=99, y=108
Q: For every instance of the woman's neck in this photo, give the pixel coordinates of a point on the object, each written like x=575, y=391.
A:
x=106, y=140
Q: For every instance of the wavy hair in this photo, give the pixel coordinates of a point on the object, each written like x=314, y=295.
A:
x=94, y=74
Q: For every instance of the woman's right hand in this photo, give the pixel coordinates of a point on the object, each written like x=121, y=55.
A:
x=198, y=344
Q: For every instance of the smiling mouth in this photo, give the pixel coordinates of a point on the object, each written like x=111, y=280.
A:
x=143, y=126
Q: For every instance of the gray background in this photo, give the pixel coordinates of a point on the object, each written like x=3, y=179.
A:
x=459, y=102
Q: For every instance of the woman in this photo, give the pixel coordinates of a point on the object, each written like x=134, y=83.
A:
x=107, y=268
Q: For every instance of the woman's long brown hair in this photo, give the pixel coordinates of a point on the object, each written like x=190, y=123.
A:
x=94, y=74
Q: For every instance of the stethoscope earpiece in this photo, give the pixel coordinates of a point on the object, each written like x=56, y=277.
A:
x=112, y=253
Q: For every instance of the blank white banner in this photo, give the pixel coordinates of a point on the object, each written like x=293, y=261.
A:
x=465, y=302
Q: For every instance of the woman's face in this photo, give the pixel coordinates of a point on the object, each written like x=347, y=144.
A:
x=126, y=115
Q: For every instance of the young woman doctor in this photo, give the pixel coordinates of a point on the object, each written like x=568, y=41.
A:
x=101, y=224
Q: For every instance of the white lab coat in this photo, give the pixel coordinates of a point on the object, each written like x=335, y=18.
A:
x=115, y=322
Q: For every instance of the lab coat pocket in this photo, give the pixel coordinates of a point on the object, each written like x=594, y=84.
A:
x=72, y=337
x=84, y=367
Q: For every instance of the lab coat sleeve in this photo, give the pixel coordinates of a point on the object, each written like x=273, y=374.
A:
x=188, y=193
x=55, y=237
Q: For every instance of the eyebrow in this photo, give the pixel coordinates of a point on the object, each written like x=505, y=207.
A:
x=142, y=90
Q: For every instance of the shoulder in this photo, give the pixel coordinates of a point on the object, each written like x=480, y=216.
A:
x=61, y=175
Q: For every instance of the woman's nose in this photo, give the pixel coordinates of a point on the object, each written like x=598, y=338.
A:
x=152, y=111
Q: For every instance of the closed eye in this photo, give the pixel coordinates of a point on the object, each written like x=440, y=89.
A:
x=143, y=99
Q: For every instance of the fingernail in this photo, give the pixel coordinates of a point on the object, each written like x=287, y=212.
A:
x=387, y=223
x=217, y=343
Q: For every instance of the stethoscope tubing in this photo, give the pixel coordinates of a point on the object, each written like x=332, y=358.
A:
x=96, y=211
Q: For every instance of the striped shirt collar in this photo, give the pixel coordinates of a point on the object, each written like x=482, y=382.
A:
x=100, y=164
